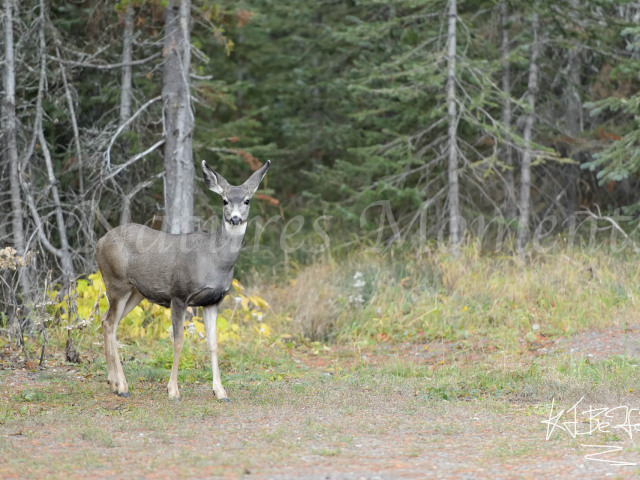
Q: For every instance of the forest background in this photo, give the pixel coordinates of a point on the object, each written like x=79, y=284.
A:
x=386, y=122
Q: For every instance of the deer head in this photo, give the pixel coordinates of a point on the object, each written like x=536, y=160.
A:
x=235, y=212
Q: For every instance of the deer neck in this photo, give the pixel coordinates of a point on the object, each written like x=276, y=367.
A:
x=228, y=241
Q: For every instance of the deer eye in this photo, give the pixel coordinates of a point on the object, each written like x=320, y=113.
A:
x=225, y=201
x=246, y=202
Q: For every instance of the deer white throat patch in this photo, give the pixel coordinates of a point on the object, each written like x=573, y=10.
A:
x=235, y=229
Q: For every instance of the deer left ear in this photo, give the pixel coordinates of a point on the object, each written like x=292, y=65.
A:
x=254, y=180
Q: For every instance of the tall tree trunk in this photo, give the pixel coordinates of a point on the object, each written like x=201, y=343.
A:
x=125, y=101
x=239, y=96
x=127, y=49
x=74, y=122
x=511, y=209
x=10, y=127
x=574, y=125
x=64, y=252
x=573, y=118
x=178, y=118
x=525, y=168
x=454, y=197
x=317, y=100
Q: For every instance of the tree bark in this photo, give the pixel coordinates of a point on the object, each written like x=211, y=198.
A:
x=125, y=102
x=525, y=168
x=65, y=252
x=573, y=119
x=74, y=122
x=454, y=197
x=178, y=119
x=127, y=50
x=511, y=209
x=10, y=128
x=125, y=213
x=239, y=96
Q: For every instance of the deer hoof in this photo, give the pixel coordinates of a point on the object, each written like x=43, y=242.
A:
x=224, y=400
x=124, y=394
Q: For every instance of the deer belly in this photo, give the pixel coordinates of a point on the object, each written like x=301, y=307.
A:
x=207, y=297
x=158, y=298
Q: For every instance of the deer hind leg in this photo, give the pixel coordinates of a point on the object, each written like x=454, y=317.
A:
x=210, y=321
x=178, y=309
x=115, y=375
x=135, y=298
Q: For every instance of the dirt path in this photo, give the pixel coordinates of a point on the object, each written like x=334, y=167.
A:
x=605, y=343
x=63, y=423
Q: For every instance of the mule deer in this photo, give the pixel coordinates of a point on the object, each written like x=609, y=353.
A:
x=175, y=271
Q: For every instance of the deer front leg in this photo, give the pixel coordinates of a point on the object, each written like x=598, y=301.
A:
x=178, y=309
x=210, y=319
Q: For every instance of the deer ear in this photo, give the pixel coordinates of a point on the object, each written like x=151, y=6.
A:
x=254, y=180
x=214, y=180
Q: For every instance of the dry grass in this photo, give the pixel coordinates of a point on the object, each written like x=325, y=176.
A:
x=311, y=301
x=407, y=298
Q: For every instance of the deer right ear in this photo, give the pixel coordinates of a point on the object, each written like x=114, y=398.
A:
x=214, y=180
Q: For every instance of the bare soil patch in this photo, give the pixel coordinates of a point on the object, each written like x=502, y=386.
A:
x=327, y=421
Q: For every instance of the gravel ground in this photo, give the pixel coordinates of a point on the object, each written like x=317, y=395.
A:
x=309, y=427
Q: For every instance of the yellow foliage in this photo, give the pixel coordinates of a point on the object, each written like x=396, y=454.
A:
x=152, y=321
x=237, y=285
x=264, y=330
x=259, y=302
x=145, y=320
x=227, y=331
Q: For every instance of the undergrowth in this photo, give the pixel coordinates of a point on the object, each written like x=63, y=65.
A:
x=371, y=301
x=417, y=298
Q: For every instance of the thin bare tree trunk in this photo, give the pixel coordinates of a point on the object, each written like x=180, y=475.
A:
x=506, y=111
x=525, y=168
x=74, y=122
x=178, y=155
x=573, y=117
x=454, y=198
x=125, y=102
x=127, y=49
x=10, y=127
x=239, y=97
x=574, y=124
x=125, y=213
x=65, y=252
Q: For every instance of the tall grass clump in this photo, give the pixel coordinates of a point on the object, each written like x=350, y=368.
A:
x=407, y=297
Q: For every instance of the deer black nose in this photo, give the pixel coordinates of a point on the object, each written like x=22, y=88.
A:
x=235, y=220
